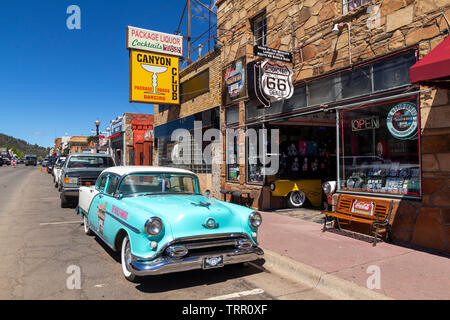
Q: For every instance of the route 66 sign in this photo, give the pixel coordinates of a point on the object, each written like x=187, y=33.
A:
x=276, y=81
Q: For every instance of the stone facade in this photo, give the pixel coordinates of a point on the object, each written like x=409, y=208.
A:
x=208, y=100
x=377, y=29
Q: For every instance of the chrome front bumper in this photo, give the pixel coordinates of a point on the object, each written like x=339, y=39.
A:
x=70, y=192
x=165, y=265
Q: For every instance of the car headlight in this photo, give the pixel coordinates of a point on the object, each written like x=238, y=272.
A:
x=255, y=219
x=272, y=186
x=326, y=187
x=153, y=226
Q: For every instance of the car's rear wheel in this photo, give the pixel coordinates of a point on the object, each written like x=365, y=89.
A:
x=87, y=230
x=126, y=260
x=296, y=199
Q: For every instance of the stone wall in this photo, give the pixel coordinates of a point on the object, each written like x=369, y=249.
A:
x=381, y=27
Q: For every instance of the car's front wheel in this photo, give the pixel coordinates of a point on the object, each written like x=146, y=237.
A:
x=296, y=199
x=126, y=260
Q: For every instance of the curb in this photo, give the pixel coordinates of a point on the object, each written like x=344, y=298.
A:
x=326, y=283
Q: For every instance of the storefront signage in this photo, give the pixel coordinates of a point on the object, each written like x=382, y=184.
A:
x=154, y=78
x=276, y=81
x=363, y=207
x=234, y=81
x=274, y=54
x=153, y=41
x=402, y=120
x=365, y=124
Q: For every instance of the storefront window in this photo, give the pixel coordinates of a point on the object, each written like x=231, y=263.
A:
x=393, y=72
x=380, y=149
x=258, y=148
x=232, y=152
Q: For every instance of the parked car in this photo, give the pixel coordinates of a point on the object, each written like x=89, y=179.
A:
x=1, y=161
x=57, y=170
x=30, y=160
x=50, y=164
x=7, y=161
x=81, y=169
x=45, y=162
x=39, y=163
x=298, y=192
x=161, y=223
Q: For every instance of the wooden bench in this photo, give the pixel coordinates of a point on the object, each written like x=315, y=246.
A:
x=234, y=194
x=375, y=212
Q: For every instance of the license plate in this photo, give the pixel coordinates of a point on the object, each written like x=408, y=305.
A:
x=213, y=262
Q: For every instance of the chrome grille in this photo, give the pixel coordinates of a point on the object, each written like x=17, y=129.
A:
x=199, y=245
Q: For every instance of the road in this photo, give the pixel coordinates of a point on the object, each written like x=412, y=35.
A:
x=41, y=244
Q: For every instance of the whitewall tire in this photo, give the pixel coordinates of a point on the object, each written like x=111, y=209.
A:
x=87, y=230
x=125, y=258
x=296, y=199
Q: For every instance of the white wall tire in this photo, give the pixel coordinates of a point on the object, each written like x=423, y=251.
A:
x=125, y=258
x=296, y=199
x=87, y=230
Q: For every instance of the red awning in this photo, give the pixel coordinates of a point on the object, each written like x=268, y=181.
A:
x=435, y=65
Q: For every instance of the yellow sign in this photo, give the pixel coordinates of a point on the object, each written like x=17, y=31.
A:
x=154, y=78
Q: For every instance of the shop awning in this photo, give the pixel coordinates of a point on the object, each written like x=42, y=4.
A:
x=435, y=66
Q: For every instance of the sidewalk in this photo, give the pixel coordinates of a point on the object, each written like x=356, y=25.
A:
x=300, y=249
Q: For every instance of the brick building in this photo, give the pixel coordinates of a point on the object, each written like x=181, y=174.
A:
x=79, y=144
x=131, y=139
x=200, y=103
x=353, y=106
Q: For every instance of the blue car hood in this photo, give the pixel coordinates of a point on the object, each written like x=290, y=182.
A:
x=185, y=215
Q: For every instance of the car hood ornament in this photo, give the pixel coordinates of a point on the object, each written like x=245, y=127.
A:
x=211, y=224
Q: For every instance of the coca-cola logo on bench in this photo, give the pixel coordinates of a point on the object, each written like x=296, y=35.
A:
x=363, y=207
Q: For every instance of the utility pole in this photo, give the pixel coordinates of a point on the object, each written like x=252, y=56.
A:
x=189, y=33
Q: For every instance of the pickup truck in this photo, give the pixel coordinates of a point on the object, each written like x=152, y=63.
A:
x=30, y=160
x=80, y=169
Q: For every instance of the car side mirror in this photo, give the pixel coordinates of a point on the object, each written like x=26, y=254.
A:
x=118, y=195
x=207, y=193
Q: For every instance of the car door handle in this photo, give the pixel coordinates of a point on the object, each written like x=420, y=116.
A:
x=100, y=196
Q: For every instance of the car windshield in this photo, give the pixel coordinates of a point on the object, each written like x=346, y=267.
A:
x=157, y=183
x=90, y=162
x=30, y=158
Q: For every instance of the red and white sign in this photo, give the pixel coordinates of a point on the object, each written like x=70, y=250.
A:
x=363, y=207
x=153, y=41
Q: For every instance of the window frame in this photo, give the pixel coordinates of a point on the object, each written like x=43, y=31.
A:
x=260, y=18
x=341, y=163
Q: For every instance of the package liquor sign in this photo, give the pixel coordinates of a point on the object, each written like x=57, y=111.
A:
x=276, y=81
x=153, y=41
x=154, y=78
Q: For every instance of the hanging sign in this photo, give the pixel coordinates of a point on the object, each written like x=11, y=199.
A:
x=154, y=78
x=234, y=82
x=402, y=120
x=274, y=54
x=153, y=41
x=276, y=81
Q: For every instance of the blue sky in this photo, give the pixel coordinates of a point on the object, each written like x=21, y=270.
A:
x=56, y=81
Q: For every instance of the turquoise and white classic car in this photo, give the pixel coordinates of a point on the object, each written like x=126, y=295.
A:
x=161, y=223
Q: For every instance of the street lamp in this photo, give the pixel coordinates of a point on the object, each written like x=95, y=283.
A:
x=97, y=124
x=108, y=134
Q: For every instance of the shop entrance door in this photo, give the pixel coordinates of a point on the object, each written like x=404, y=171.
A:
x=307, y=148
